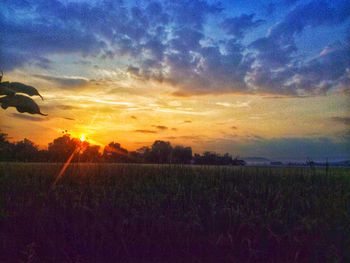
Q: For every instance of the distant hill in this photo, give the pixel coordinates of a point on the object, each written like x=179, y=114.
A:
x=256, y=159
x=336, y=163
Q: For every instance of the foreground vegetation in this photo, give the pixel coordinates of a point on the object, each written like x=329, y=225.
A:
x=151, y=213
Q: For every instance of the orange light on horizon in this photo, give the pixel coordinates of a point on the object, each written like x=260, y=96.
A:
x=82, y=138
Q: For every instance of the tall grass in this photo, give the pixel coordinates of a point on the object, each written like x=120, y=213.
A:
x=167, y=213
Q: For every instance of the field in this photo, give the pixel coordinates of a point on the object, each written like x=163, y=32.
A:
x=151, y=213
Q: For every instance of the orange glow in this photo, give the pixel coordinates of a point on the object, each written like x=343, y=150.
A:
x=83, y=138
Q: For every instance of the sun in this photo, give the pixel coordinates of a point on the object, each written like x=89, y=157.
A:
x=82, y=138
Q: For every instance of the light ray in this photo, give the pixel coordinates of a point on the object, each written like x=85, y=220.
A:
x=65, y=166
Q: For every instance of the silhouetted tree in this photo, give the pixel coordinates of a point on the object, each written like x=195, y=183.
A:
x=6, y=148
x=238, y=161
x=161, y=152
x=25, y=151
x=61, y=148
x=113, y=152
x=211, y=158
x=181, y=154
x=226, y=159
x=141, y=155
x=42, y=156
x=90, y=154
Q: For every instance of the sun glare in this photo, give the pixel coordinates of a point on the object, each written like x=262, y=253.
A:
x=82, y=138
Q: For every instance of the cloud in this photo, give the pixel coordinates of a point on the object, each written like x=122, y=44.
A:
x=64, y=81
x=237, y=104
x=277, y=68
x=70, y=119
x=66, y=107
x=342, y=120
x=237, y=26
x=289, y=148
x=145, y=131
x=314, y=14
x=300, y=148
x=193, y=13
x=27, y=117
x=185, y=137
x=160, y=127
x=44, y=34
x=196, y=47
x=317, y=76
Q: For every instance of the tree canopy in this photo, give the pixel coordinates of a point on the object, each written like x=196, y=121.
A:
x=61, y=148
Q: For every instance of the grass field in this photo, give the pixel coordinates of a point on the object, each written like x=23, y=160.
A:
x=150, y=213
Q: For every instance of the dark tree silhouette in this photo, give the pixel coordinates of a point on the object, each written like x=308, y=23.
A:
x=212, y=158
x=6, y=148
x=113, y=152
x=25, y=151
x=181, y=154
x=61, y=148
x=161, y=152
x=90, y=154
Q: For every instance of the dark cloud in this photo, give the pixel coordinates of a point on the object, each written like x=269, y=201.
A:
x=193, y=13
x=278, y=69
x=133, y=70
x=237, y=26
x=64, y=81
x=145, y=131
x=185, y=137
x=299, y=148
x=11, y=59
x=31, y=40
x=343, y=120
x=208, y=69
x=160, y=127
x=314, y=14
x=277, y=48
x=70, y=119
x=27, y=117
x=66, y=107
x=317, y=76
x=173, y=42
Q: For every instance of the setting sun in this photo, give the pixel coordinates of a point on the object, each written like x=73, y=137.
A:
x=82, y=138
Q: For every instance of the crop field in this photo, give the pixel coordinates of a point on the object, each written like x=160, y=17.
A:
x=168, y=213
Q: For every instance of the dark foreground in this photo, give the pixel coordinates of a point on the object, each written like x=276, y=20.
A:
x=147, y=213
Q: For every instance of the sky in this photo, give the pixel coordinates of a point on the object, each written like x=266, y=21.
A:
x=251, y=78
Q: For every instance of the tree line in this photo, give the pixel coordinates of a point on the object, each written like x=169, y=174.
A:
x=61, y=148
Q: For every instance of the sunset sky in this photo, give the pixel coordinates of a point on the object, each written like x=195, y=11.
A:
x=252, y=78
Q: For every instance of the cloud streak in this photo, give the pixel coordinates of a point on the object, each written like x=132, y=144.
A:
x=145, y=131
x=64, y=81
x=342, y=120
x=27, y=117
